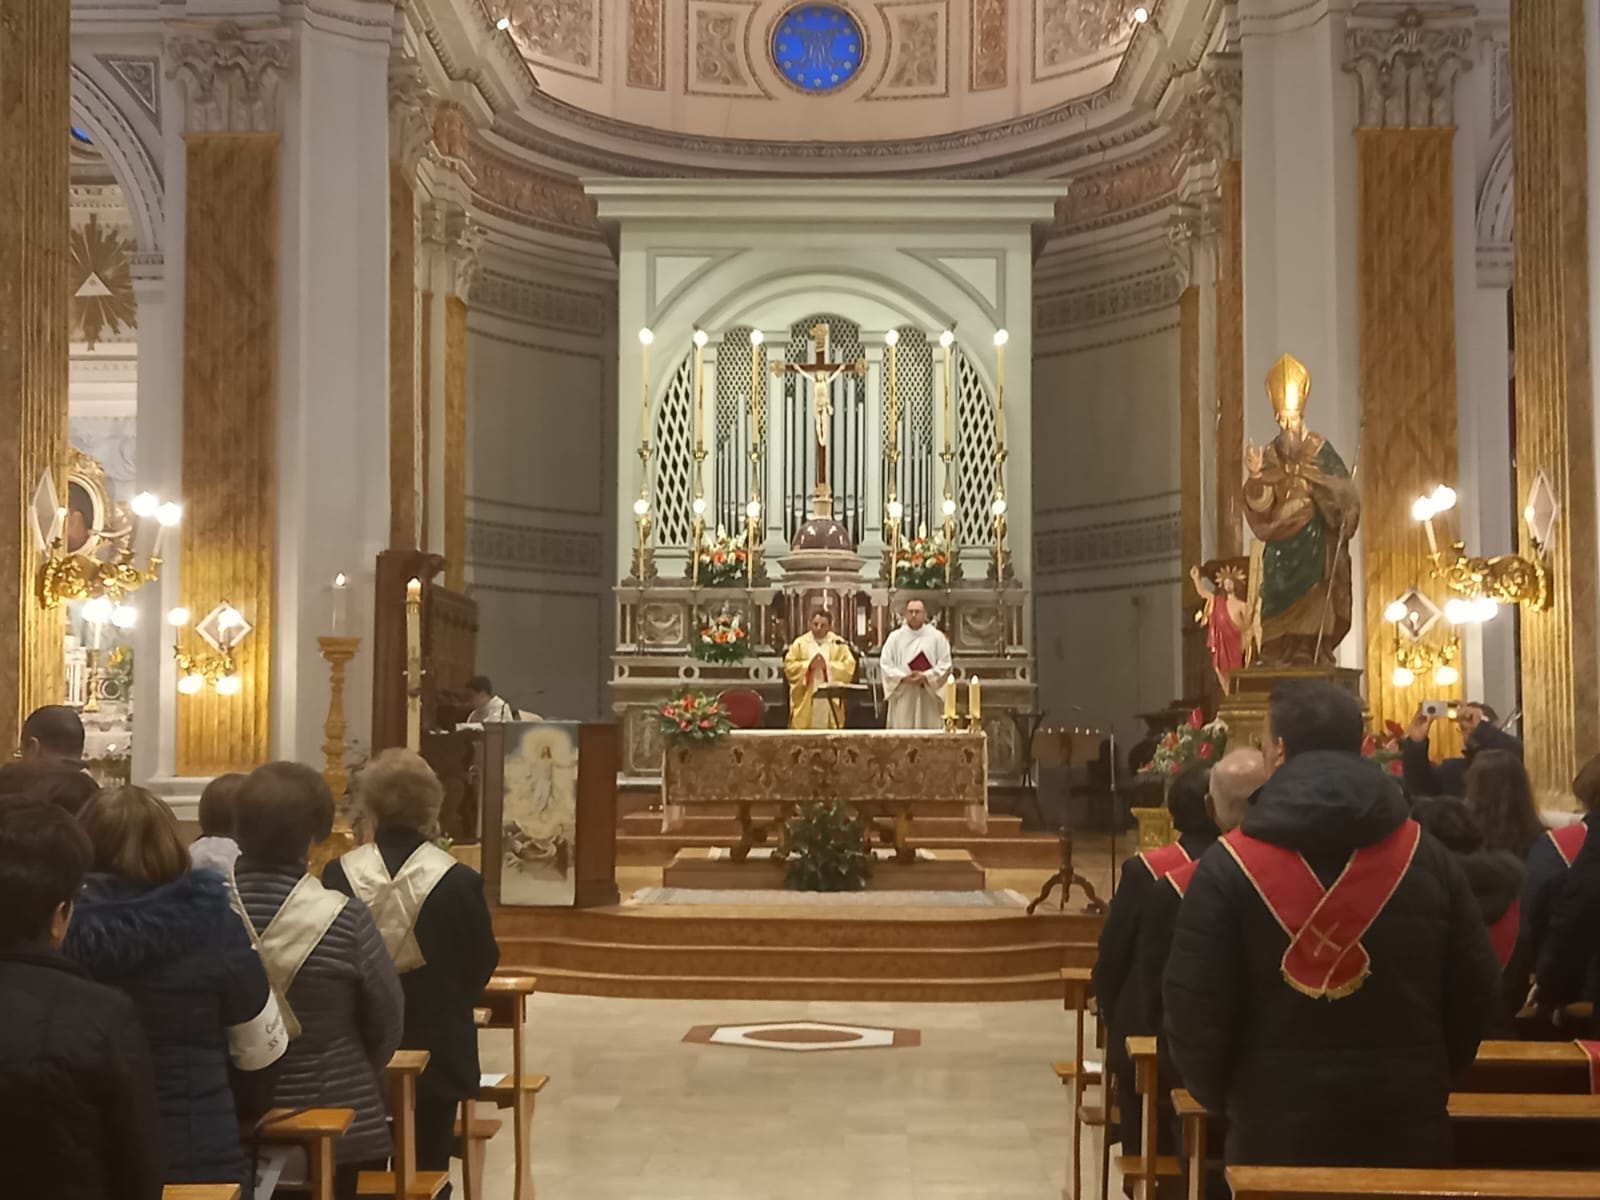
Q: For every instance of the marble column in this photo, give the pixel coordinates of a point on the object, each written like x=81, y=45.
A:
x=1406, y=70
x=1560, y=649
x=230, y=383
x=1230, y=360
x=410, y=130
x=35, y=93
x=1300, y=224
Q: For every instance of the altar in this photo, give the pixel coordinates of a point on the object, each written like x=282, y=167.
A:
x=765, y=774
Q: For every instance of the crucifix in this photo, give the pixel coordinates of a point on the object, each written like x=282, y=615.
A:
x=822, y=373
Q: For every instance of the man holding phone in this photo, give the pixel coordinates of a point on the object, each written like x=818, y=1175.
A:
x=1480, y=730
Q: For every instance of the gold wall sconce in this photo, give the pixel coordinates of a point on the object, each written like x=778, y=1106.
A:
x=1503, y=578
x=88, y=550
x=222, y=629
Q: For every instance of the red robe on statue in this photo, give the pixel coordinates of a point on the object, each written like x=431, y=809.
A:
x=1224, y=639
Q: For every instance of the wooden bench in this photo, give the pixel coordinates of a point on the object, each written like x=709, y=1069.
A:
x=1078, y=1076
x=1362, y=1183
x=316, y=1131
x=200, y=1191
x=1149, y=1172
x=1549, y=1067
x=506, y=1001
x=404, y=1181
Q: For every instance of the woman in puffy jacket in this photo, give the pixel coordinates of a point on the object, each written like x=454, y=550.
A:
x=170, y=938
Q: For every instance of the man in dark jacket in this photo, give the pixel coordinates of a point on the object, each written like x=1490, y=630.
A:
x=53, y=733
x=75, y=1082
x=1479, y=731
x=1330, y=973
x=1568, y=960
x=1115, y=990
x=1553, y=856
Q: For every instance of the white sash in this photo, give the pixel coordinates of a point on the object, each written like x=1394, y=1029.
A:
x=396, y=902
x=307, y=914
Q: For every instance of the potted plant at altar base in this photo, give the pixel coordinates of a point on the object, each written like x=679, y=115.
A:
x=693, y=716
x=921, y=565
x=1196, y=740
x=724, y=562
x=724, y=642
x=827, y=849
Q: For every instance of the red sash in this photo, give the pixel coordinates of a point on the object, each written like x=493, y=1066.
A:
x=1569, y=840
x=1503, y=933
x=1179, y=876
x=1164, y=860
x=1592, y=1049
x=1325, y=958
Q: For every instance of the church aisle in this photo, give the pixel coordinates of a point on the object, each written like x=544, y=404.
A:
x=633, y=1112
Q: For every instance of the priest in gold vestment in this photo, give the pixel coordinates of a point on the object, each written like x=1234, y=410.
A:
x=817, y=657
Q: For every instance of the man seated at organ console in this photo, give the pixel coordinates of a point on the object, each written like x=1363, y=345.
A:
x=815, y=658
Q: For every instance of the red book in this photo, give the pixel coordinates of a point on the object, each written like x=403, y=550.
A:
x=920, y=662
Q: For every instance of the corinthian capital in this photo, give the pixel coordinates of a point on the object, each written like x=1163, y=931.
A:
x=230, y=78
x=455, y=240
x=411, y=111
x=1407, y=71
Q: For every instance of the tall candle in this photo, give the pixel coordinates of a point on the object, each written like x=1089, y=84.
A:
x=758, y=390
x=699, y=390
x=414, y=665
x=339, y=605
x=891, y=437
x=947, y=340
x=1001, y=337
x=645, y=338
x=949, y=699
x=974, y=700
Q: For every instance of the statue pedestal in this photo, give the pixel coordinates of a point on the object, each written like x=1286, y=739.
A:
x=1244, y=708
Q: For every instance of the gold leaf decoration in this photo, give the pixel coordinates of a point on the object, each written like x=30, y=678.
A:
x=101, y=284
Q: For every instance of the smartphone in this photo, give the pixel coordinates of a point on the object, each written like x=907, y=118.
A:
x=1435, y=709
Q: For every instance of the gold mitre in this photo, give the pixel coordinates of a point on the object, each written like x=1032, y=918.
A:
x=1289, y=385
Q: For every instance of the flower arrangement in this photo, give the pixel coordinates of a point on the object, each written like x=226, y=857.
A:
x=920, y=565
x=1384, y=748
x=1193, y=741
x=724, y=641
x=693, y=716
x=724, y=561
x=827, y=849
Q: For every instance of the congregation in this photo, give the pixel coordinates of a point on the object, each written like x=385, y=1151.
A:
x=158, y=999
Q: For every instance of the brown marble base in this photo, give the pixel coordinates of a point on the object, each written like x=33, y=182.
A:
x=1244, y=708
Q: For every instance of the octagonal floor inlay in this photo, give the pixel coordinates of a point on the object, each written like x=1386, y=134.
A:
x=804, y=1036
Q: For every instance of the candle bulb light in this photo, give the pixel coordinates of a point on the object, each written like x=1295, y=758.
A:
x=339, y=605
x=414, y=665
x=974, y=704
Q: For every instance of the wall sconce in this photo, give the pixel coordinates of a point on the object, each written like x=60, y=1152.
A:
x=1414, y=616
x=1504, y=578
x=67, y=574
x=223, y=628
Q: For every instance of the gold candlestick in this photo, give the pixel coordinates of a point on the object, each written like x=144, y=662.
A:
x=1001, y=562
x=752, y=510
x=337, y=652
x=414, y=665
x=891, y=452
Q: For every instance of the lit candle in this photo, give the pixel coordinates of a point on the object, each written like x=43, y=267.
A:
x=645, y=338
x=947, y=340
x=949, y=699
x=758, y=390
x=974, y=700
x=891, y=435
x=414, y=665
x=339, y=605
x=700, y=340
x=1001, y=337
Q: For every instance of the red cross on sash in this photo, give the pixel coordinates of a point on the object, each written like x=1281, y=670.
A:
x=1163, y=860
x=1503, y=933
x=1179, y=876
x=1569, y=840
x=1325, y=958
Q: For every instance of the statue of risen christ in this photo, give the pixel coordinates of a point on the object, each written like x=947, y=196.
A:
x=822, y=373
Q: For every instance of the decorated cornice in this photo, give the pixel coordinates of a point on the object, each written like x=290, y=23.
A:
x=1121, y=192
x=411, y=113
x=230, y=78
x=1407, y=71
x=1151, y=290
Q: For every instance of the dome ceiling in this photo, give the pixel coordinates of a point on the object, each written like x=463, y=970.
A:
x=862, y=77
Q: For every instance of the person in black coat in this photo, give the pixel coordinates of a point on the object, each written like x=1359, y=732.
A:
x=1479, y=731
x=75, y=1083
x=1115, y=989
x=1553, y=855
x=454, y=952
x=1338, y=1068
x=169, y=938
x=1569, y=958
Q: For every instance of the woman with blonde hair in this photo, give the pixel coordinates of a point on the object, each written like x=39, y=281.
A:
x=168, y=936
x=435, y=922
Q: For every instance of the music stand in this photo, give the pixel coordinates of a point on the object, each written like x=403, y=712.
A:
x=1061, y=747
x=1027, y=725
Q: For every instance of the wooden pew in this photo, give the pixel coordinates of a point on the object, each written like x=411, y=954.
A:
x=404, y=1181
x=1079, y=1076
x=506, y=998
x=200, y=1191
x=1148, y=1170
x=1363, y=1183
x=1549, y=1067
x=316, y=1131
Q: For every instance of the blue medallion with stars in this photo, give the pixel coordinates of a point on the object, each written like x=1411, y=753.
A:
x=818, y=47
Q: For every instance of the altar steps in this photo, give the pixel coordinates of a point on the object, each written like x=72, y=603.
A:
x=641, y=843
x=759, y=953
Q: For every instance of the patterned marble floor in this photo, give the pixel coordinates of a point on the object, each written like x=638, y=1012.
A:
x=633, y=1112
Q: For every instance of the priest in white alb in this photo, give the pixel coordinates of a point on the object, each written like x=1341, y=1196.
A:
x=914, y=664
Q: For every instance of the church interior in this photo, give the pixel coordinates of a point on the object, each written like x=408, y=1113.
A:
x=810, y=479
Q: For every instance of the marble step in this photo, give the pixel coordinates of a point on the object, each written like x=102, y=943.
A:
x=646, y=824
x=1043, y=986
x=1024, y=850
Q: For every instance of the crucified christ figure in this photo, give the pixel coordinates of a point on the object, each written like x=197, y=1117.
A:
x=822, y=373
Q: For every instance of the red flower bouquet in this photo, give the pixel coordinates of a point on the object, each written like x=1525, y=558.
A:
x=1193, y=741
x=693, y=716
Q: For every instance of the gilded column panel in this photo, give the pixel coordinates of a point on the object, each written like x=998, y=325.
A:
x=1408, y=380
x=404, y=433
x=455, y=443
x=1190, y=539
x=230, y=385
x=230, y=352
x=35, y=108
x=1560, y=649
x=1230, y=360
x=425, y=404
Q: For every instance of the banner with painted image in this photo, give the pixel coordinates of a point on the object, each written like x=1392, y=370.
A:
x=539, y=819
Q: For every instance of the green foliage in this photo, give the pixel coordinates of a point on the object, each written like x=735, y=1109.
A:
x=827, y=849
